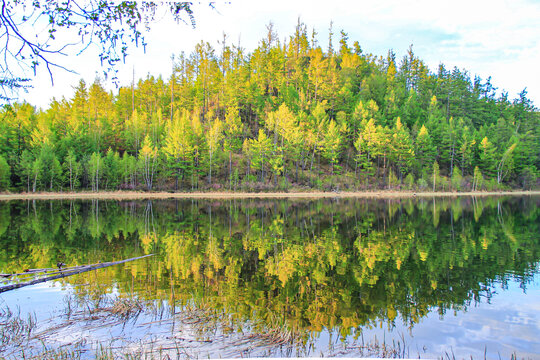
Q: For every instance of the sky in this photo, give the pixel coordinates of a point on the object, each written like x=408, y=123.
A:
x=497, y=38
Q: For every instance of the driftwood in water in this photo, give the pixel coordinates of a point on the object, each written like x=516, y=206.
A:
x=64, y=273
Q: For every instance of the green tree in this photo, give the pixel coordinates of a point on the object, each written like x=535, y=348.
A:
x=478, y=179
x=72, y=169
x=51, y=169
x=456, y=180
x=505, y=164
x=466, y=150
x=276, y=162
x=26, y=167
x=364, y=147
x=213, y=135
x=487, y=158
x=135, y=130
x=129, y=170
x=95, y=170
x=402, y=148
x=112, y=170
x=260, y=149
x=5, y=174
x=436, y=173
x=37, y=169
x=332, y=143
x=425, y=150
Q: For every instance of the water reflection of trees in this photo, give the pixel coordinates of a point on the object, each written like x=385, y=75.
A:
x=305, y=264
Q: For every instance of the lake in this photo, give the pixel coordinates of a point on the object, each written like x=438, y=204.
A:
x=441, y=277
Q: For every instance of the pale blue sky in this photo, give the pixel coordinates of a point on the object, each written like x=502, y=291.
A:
x=496, y=38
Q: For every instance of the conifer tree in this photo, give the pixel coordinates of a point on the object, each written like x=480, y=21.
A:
x=402, y=148
x=487, y=158
x=178, y=144
x=425, y=149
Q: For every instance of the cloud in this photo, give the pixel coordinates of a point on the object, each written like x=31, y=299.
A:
x=496, y=38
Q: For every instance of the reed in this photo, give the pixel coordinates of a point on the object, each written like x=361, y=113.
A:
x=195, y=331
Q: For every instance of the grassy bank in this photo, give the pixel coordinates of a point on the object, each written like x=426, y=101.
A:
x=127, y=195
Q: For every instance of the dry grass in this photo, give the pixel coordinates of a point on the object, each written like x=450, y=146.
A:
x=13, y=328
x=196, y=331
x=129, y=195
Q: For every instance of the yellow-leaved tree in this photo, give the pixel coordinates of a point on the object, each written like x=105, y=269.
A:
x=233, y=131
x=213, y=135
x=179, y=144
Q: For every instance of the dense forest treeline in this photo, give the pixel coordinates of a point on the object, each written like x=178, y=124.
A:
x=288, y=114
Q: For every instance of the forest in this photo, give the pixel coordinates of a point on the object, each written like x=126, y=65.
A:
x=288, y=115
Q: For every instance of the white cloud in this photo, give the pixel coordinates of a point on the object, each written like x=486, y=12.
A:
x=490, y=38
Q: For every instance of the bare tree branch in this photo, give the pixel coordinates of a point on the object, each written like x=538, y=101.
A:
x=114, y=27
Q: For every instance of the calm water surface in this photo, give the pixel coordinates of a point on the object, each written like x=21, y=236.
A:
x=442, y=276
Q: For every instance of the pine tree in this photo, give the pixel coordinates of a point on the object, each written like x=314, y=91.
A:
x=402, y=149
x=425, y=150
x=487, y=158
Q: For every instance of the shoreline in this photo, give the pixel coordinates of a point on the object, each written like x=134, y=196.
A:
x=133, y=195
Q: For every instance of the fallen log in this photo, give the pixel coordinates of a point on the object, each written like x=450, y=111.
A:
x=67, y=272
x=51, y=271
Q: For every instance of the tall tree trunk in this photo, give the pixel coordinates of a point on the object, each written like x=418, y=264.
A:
x=70, y=177
x=452, y=158
x=210, y=175
x=176, y=180
x=311, y=167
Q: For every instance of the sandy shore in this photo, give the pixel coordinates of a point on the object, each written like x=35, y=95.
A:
x=127, y=195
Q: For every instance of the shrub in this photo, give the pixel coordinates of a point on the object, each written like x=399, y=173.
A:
x=409, y=181
x=444, y=183
x=478, y=179
x=528, y=177
x=392, y=180
x=422, y=184
x=456, y=181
